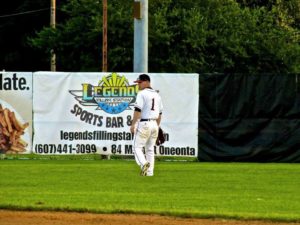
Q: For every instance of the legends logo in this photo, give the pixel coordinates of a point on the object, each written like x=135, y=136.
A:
x=113, y=94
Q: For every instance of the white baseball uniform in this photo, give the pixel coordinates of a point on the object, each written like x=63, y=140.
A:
x=149, y=103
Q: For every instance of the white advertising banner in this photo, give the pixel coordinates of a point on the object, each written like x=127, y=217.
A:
x=15, y=112
x=87, y=113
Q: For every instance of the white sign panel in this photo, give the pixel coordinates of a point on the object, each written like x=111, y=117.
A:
x=87, y=113
x=15, y=112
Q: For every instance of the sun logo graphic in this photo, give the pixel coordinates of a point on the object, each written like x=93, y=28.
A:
x=113, y=94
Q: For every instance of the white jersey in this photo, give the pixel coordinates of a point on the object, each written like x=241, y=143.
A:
x=150, y=104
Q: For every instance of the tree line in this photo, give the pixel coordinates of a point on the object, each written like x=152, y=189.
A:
x=187, y=36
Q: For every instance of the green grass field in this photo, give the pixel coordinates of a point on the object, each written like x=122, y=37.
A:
x=189, y=189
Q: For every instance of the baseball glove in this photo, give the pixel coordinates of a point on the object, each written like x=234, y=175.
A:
x=161, y=137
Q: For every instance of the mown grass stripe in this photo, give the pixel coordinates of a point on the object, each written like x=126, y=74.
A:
x=187, y=189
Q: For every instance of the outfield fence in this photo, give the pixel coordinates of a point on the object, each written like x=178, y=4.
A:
x=60, y=113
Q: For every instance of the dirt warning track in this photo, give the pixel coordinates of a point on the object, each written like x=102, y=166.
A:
x=66, y=218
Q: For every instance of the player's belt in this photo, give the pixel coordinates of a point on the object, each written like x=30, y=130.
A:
x=143, y=120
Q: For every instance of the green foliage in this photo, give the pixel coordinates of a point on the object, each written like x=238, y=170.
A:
x=75, y=40
x=189, y=189
x=287, y=11
x=15, y=27
x=247, y=40
x=176, y=37
x=184, y=36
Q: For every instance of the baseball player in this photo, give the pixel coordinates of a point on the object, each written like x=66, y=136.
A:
x=145, y=124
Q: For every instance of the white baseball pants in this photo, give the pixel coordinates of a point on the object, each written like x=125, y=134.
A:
x=145, y=137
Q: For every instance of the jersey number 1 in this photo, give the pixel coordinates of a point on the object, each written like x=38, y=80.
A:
x=152, y=108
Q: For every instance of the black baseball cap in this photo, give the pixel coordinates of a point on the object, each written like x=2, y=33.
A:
x=142, y=77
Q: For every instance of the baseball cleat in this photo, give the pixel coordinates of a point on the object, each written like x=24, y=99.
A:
x=145, y=168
